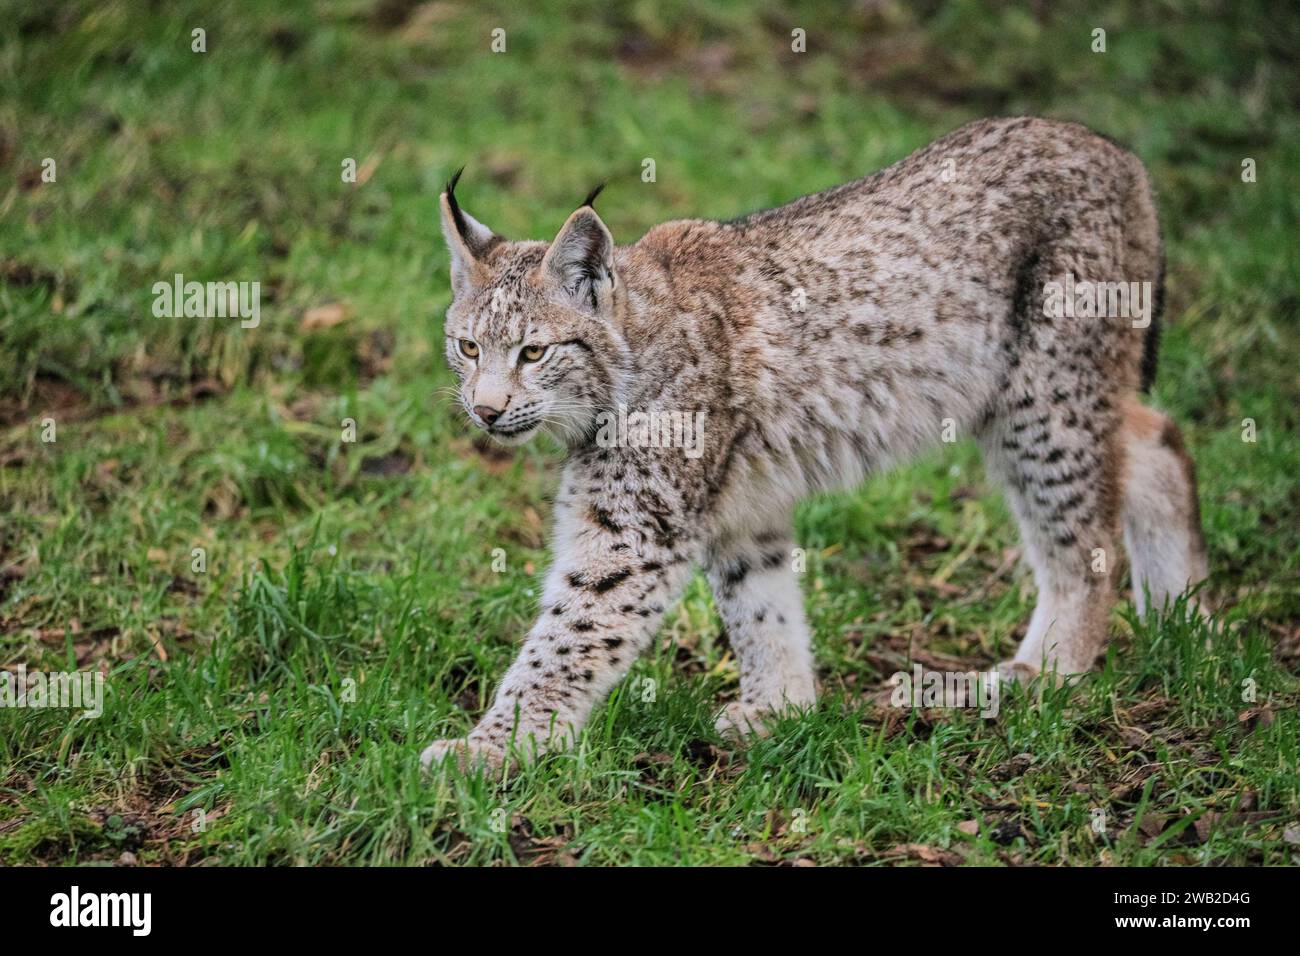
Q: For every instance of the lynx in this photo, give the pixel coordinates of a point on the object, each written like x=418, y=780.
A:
x=819, y=342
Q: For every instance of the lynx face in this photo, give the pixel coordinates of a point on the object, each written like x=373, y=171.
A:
x=530, y=331
x=525, y=361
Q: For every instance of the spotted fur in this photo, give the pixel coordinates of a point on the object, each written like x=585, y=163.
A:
x=826, y=339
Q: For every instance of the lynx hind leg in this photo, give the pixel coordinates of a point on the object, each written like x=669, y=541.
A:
x=758, y=599
x=1052, y=443
x=1162, y=521
x=1060, y=484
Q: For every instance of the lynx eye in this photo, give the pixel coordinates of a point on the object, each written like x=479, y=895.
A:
x=468, y=349
x=532, y=353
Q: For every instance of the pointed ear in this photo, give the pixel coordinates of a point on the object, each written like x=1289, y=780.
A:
x=581, y=260
x=468, y=240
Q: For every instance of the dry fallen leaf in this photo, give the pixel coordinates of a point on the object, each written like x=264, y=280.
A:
x=931, y=855
x=1256, y=717
x=157, y=643
x=1212, y=820
x=323, y=317
x=1153, y=824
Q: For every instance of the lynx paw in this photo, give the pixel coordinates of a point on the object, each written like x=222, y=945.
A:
x=739, y=719
x=466, y=754
x=742, y=720
x=1016, y=672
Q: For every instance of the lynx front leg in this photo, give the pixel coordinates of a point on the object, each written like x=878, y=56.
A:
x=758, y=598
x=617, y=567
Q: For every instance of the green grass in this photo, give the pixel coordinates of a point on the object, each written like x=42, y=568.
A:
x=349, y=612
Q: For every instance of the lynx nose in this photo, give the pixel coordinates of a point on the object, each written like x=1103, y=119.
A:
x=487, y=413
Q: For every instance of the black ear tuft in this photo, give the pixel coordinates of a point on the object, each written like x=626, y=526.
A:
x=591, y=196
x=456, y=215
